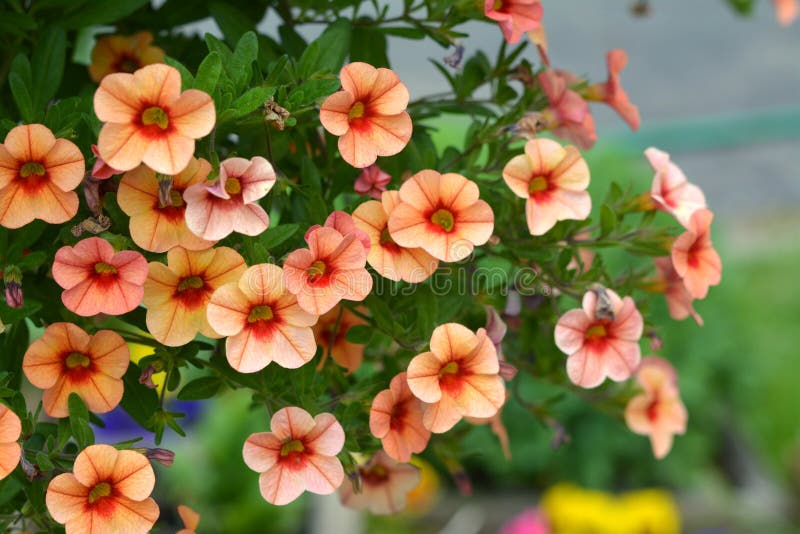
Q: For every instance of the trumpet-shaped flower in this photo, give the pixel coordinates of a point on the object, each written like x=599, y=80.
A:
x=694, y=257
x=37, y=176
x=297, y=455
x=123, y=53
x=10, y=450
x=442, y=214
x=568, y=115
x=601, y=338
x=107, y=491
x=190, y=519
x=385, y=484
x=148, y=120
x=372, y=182
x=395, y=418
x=176, y=295
x=98, y=280
x=553, y=179
x=612, y=93
x=679, y=301
x=515, y=17
x=671, y=191
x=368, y=114
x=331, y=334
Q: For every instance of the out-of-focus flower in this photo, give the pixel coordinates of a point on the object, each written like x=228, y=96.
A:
x=568, y=115
x=146, y=377
x=163, y=456
x=123, y=53
x=10, y=450
x=454, y=59
x=612, y=93
x=515, y=17
x=348, y=355
x=372, y=182
x=694, y=257
x=423, y=498
x=100, y=169
x=496, y=329
x=297, y=455
x=786, y=11
x=368, y=114
x=671, y=191
x=190, y=519
x=528, y=522
x=395, y=418
x=343, y=223
x=384, y=485
x=679, y=301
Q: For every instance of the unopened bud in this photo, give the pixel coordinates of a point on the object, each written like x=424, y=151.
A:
x=146, y=378
x=507, y=371
x=15, y=298
x=163, y=456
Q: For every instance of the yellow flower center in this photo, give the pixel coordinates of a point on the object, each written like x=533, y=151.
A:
x=357, y=111
x=102, y=267
x=596, y=331
x=450, y=369
x=99, y=491
x=157, y=116
x=292, y=446
x=443, y=218
x=539, y=183
x=32, y=167
x=191, y=282
x=498, y=5
x=233, y=186
x=316, y=270
x=260, y=313
x=76, y=359
x=175, y=198
x=128, y=65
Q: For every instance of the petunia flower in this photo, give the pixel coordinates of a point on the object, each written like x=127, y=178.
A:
x=553, y=179
x=694, y=257
x=515, y=17
x=331, y=269
x=368, y=114
x=442, y=214
x=148, y=120
x=568, y=115
x=372, y=182
x=343, y=223
x=671, y=191
x=601, y=339
x=229, y=205
x=262, y=321
x=348, y=355
x=176, y=295
x=786, y=11
x=658, y=411
x=100, y=169
x=10, y=449
x=385, y=484
x=98, y=280
x=388, y=258
x=122, y=53
x=679, y=301
x=68, y=360
x=458, y=377
x=297, y=455
x=395, y=418
x=107, y=491
x=37, y=176
x=612, y=93
x=190, y=519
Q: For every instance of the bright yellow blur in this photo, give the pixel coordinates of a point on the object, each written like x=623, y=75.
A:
x=423, y=498
x=139, y=351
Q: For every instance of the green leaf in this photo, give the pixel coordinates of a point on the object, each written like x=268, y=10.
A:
x=244, y=55
x=232, y=21
x=139, y=401
x=608, y=220
x=43, y=462
x=359, y=334
x=277, y=235
x=744, y=7
x=21, y=81
x=208, y=73
x=201, y=388
x=371, y=46
x=79, y=421
x=329, y=51
x=187, y=80
x=101, y=13
x=47, y=65
x=252, y=100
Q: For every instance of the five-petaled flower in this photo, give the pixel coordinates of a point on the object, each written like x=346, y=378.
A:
x=385, y=484
x=331, y=334
x=694, y=257
x=123, y=53
x=10, y=449
x=611, y=91
x=515, y=17
x=395, y=418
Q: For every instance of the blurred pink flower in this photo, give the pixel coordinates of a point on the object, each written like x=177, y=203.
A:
x=679, y=301
x=568, y=115
x=786, y=11
x=612, y=93
x=671, y=191
x=372, y=182
x=528, y=522
x=694, y=257
x=515, y=17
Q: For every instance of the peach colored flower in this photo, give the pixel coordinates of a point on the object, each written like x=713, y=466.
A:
x=515, y=17
x=107, y=491
x=262, y=321
x=122, y=53
x=10, y=450
x=348, y=355
x=612, y=93
x=368, y=114
x=98, y=280
x=190, y=519
x=786, y=11
x=385, y=256
x=658, y=411
x=553, y=179
x=297, y=455
x=671, y=191
x=395, y=418
x=601, y=338
x=37, y=176
x=679, y=301
x=100, y=169
x=176, y=295
x=458, y=377
x=155, y=227
x=385, y=484
x=568, y=115
x=68, y=360
x=332, y=268
x=442, y=214
x=231, y=204
x=343, y=223
x=372, y=182
x=694, y=257
x=147, y=119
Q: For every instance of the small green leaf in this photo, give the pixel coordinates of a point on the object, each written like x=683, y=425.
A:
x=200, y=388
x=328, y=52
x=22, y=97
x=360, y=334
x=252, y=100
x=608, y=220
x=43, y=462
x=277, y=235
x=187, y=80
x=79, y=421
x=208, y=73
x=47, y=65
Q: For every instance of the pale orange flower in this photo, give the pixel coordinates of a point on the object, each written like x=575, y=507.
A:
x=297, y=455
x=10, y=450
x=442, y=214
x=148, y=120
x=658, y=411
x=395, y=418
x=262, y=320
x=553, y=179
x=332, y=268
x=37, y=176
x=679, y=301
x=368, y=114
x=155, y=227
x=786, y=11
x=671, y=191
x=694, y=257
x=98, y=280
x=123, y=53
x=515, y=17
x=176, y=295
x=385, y=484
x=612, y=93
x=385, y=256
x=458, y=377
x=343, y=223
x=190, y=519
x=348, y=355
x=107, y=491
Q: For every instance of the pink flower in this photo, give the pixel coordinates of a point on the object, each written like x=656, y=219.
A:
x=396, y=419
x=671, y=191
x=102, y=170
x=385, y=484
x=372, y=182
x=612, y=93
x=515, y=17
x=568, y=115
x=786, y=11
x=679, y=301
x=528, y=522
x=694, y=257
x=343, y=223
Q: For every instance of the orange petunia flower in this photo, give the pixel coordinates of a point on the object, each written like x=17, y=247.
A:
x=68, y=360
x=611, y=91
x=515, y=17
x=332, y=268
x=37, y=176
x=568, y=115
x=395, y=418
x=658, y=411
x=123, y=53
x=601, y=338
x=148, y=120
x=176, y=295
x=348, y=355
x=442, y=214
x=98, y=280
x=679, y=301
x=385, y=485
x=190, y=520
x=156, y=227
x=368, y=114
x=298, y=454
x=458, y=377
x=10, y=449
x=107, y=491
x=694, y=257
x=385, y=256
x=262, y=320
x=553, y=179
x=671, y=191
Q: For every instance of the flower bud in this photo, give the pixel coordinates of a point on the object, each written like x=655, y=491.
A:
x=146, y=377
x=163, y=456
x=507, y=371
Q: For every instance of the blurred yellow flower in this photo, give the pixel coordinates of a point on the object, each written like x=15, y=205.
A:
x=423, y=498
